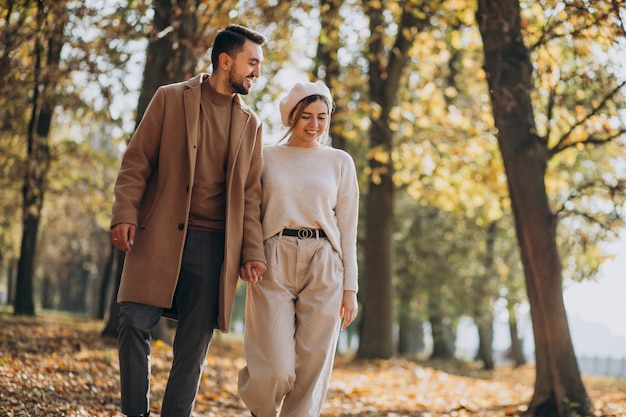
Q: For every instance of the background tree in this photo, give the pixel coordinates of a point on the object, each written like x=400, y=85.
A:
x=47, y=46
x=511, y=289
x=448, y=177
x=327, y=66
x=70, y=80
x=385, y=71
x=558, y=388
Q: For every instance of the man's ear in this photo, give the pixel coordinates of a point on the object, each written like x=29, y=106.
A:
x=225, y=61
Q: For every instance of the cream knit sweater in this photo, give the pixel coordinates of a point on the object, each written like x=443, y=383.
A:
x=313, y=188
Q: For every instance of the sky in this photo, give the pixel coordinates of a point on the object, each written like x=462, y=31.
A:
x=596, y=313
x=601, y=302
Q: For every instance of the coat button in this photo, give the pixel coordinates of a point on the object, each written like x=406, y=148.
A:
x=181, y=226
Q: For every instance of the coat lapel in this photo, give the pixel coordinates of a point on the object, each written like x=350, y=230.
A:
x=192, y=114
x=239, y=119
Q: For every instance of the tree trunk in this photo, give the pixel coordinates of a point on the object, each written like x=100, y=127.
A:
x=11, y=278
x=80, y=291
x=38, y=153
x=376, y=339
x=485, y=345
x=517, y=346
x=410, y=332
x=443, y=338
x=327, y=63
x=105, y=283
x=170, y=54
x=110, y=328
x=559, y=389
x=483, y=302
x=444, y=343
x=46, y=293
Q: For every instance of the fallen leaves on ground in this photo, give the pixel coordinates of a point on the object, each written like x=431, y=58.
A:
x=61, y=366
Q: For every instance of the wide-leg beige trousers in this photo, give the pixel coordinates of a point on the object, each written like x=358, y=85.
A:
x=292, y=326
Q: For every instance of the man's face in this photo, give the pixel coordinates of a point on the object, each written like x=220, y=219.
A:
x=246, y=67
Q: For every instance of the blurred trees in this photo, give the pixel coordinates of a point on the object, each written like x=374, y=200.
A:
x=56, y=71
x=585, y=186
x=387, y=61
x=413, y=107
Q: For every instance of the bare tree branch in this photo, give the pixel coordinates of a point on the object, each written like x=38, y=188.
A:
x=563, y=142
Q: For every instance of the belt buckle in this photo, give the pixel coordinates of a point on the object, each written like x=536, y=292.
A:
x=306, y=233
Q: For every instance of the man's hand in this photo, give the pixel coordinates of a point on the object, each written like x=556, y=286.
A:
x=252, y=271
x=123, y=236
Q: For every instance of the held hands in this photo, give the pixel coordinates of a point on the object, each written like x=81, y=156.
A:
x=252, y=271
x=123, y=236
x=349, y=308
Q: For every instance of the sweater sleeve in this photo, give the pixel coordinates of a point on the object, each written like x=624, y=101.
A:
x=347, y=212
x=252, y=247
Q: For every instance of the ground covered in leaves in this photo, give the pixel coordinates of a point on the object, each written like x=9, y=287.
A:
x=60, y=366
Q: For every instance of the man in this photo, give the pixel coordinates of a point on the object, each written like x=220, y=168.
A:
x=187, y=212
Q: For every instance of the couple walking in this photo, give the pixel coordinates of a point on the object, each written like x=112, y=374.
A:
x=199, y=203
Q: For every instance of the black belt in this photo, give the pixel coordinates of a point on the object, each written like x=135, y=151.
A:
x=304, y=233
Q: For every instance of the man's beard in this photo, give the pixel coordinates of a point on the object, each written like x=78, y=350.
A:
x=238, y=86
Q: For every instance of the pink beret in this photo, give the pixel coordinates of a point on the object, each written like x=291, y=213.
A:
x=299, y=92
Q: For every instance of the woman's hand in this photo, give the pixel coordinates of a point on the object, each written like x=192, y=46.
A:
x=349, y=308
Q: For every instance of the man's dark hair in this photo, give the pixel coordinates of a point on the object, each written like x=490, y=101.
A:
x=230, y=40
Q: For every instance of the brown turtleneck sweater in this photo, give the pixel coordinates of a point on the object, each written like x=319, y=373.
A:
x=208, y=198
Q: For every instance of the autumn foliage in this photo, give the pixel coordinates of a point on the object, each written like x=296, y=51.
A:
x=60, y=366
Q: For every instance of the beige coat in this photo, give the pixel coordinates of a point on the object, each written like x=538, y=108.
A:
x=153, y=192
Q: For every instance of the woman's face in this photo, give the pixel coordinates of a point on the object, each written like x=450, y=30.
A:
x=312, y=124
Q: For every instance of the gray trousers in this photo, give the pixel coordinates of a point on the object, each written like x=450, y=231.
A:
x=196, y=302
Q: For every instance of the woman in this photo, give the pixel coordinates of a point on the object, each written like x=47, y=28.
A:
x=309, y=217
